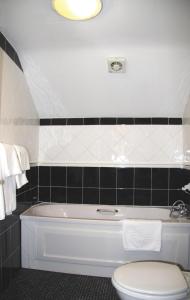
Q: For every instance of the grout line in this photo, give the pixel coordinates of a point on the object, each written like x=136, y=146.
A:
x=99, y=184
x=168, y=186
x=82, y=184
x=66, y=183
x=38, y=183
x=151, y=187
x=133, y=186
x=50, y=195
x=12, y=253
x=116, y=186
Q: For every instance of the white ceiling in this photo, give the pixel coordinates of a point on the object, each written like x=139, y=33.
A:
x=65, y=61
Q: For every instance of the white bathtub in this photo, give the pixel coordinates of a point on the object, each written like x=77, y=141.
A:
x=87, y=239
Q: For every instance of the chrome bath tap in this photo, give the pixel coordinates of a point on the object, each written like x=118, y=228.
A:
x=179, y=209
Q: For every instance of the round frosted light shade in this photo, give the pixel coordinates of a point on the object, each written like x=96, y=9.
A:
x=77, y=9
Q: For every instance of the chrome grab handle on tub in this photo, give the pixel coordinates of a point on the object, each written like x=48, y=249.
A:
x=107, y=211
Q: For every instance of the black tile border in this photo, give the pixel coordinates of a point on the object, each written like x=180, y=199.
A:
x=114, y=186
x=8, y=48
x=110, y=121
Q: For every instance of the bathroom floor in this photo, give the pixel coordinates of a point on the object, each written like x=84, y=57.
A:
x=40, y=285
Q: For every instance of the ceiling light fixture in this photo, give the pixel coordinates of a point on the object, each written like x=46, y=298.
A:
x=77, y=9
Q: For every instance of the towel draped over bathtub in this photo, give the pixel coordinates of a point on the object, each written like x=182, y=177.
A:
x=10, y=169
x=142, y=235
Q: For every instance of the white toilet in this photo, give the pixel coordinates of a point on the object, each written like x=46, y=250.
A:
x=151, y=280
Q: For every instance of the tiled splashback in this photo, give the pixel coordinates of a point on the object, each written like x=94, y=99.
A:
x=111, y=145
x=29, y=192
x=121, y=186
x=10, y=248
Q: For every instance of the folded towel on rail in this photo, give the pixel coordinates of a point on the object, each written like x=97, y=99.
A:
x=142, y=235
x=9, y=168
x=22, y=157
x=9, y=161
x=24, y=165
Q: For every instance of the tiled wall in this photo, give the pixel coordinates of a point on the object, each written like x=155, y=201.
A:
x=122, y=186
x=10, y=243
x=29, y=192
x=7, y=47
x=10, y=247
x=110, y=121
x=111, y=145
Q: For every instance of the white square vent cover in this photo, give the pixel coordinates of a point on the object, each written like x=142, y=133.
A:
x=116, y=64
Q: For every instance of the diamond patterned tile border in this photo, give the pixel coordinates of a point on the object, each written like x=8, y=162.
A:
x=111, y=145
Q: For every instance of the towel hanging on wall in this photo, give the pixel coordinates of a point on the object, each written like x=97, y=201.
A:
x=10, y=170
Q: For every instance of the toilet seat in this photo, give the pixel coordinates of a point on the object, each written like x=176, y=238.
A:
x=150, y=280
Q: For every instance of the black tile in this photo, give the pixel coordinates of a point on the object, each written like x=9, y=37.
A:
x=58, y=176
x=142, y=197
x=6, y=244
x=74, y=177
x=31, y=195
x=142, y=121
x=108, y=196
x=16, y=261
x=142, y=178
x=15, y=236
x=44, y=176
x=34, y=177
x=108, y=177
x=7, y=222
x=91, y=177
x=175, y=121
x=160, y=178
x=74, y=195
x=45, y=122
x=91, y=121
x=125, y=177
x=75, y=121
x=175, y=195
x=108, y=121
x=44, y=194
x=58, y=194
x=10, y=50
x=90, y=196
x=127, y=121
x=160, y=121
x=20, y=198
x=17, y=61
x=178, y=178
x=2, y=41
x=6, y=275
x=160, y=197
x=59, y=121
x=125, y=196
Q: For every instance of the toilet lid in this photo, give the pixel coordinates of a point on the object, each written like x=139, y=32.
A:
x=154, y=278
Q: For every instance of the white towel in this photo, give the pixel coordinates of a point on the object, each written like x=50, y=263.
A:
x=9, y=161
x=9, y=168
x=9, y=189
x=2, y=199
x=143, y=235
x=23, y=157
x=24, y=165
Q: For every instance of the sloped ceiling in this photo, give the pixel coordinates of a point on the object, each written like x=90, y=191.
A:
x=65, y=62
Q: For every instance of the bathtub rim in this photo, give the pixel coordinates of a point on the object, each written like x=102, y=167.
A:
x=24, y=215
